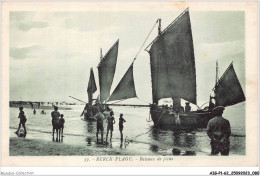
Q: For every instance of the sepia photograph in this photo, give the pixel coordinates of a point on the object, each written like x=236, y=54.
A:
x=134, y=81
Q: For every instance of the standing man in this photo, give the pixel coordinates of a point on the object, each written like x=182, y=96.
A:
x=187, y=107
x=121, y=126
x=55, y=118
x=110, y=122
x=22, y=121
x=218, y=130
x=100, y=117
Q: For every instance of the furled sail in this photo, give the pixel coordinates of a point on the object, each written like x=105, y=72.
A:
x=106, y=71
x=228, y=90
x=92, y=88
x=173, y=63
x=126, y=87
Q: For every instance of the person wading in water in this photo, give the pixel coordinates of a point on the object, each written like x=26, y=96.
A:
x=100, y=117
x=219, y=131
x=22, y=121
x=110, y=122
x=121, y=126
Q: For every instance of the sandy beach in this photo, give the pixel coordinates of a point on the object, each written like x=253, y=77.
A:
x=28, y=147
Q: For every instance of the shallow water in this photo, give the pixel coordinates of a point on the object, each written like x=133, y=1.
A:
x=145, y=138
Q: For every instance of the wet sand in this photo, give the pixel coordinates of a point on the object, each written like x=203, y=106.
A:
x=28, y=147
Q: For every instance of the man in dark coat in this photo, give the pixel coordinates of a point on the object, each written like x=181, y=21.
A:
x=219, y=131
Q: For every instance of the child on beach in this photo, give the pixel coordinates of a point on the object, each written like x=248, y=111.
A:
x=121, y=126
x=62, y=121
x=22, y=121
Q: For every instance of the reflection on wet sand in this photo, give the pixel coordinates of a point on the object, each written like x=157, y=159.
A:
x=178, y=140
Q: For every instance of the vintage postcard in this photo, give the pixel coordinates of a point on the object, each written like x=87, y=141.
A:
x=129, y=84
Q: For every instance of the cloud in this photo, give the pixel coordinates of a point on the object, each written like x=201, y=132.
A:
x=34, y=24
x=216, y=51
x=25, y=21
x=23, y=52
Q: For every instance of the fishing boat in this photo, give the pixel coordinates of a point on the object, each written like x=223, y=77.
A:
x=173, y=75
x=106, y=72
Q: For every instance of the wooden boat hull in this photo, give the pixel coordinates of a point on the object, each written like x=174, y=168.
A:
x=194, y=119
x=91, y=112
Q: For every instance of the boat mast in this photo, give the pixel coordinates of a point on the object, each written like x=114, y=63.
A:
x=159, y=27
x=101, y=56
x=216, y=72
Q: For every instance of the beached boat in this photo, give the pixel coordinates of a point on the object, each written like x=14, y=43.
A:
x=173, y=75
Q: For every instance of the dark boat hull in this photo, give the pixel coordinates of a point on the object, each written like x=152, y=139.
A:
x=91, y=112
x=195, y=119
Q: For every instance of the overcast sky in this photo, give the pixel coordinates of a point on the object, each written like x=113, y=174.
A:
x=51, y=53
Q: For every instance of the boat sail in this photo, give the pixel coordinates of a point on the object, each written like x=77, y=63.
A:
x=228, y=90
x=92, y=87
x=173, y=63
x=126, y=87
x=173, y=75
x=106, y=71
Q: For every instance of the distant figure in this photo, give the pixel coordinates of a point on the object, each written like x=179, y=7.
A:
x=55, y=121
x=121, y=126
x=62, y=121
x=218, y=130
x=107, y=108
x=22, y=121
x=42, y=112
x=31, y=104
x=211, y=104
x=100, y=117
x=187, y=107
x=39, y=104
x=34, y=111
x=110, y=122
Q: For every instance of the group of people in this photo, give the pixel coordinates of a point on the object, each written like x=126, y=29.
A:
x=57, y=123
x=218, y=128
x=42, y=112
x=100, y=117
x=187, y=108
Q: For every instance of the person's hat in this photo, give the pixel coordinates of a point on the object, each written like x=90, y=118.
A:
x=219, y=109
x=187, y=102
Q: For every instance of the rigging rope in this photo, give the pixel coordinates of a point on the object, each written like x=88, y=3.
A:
x=143, y=100
x=145, y=40
x=143, y=133
x=118, y=101
x=141, y=49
